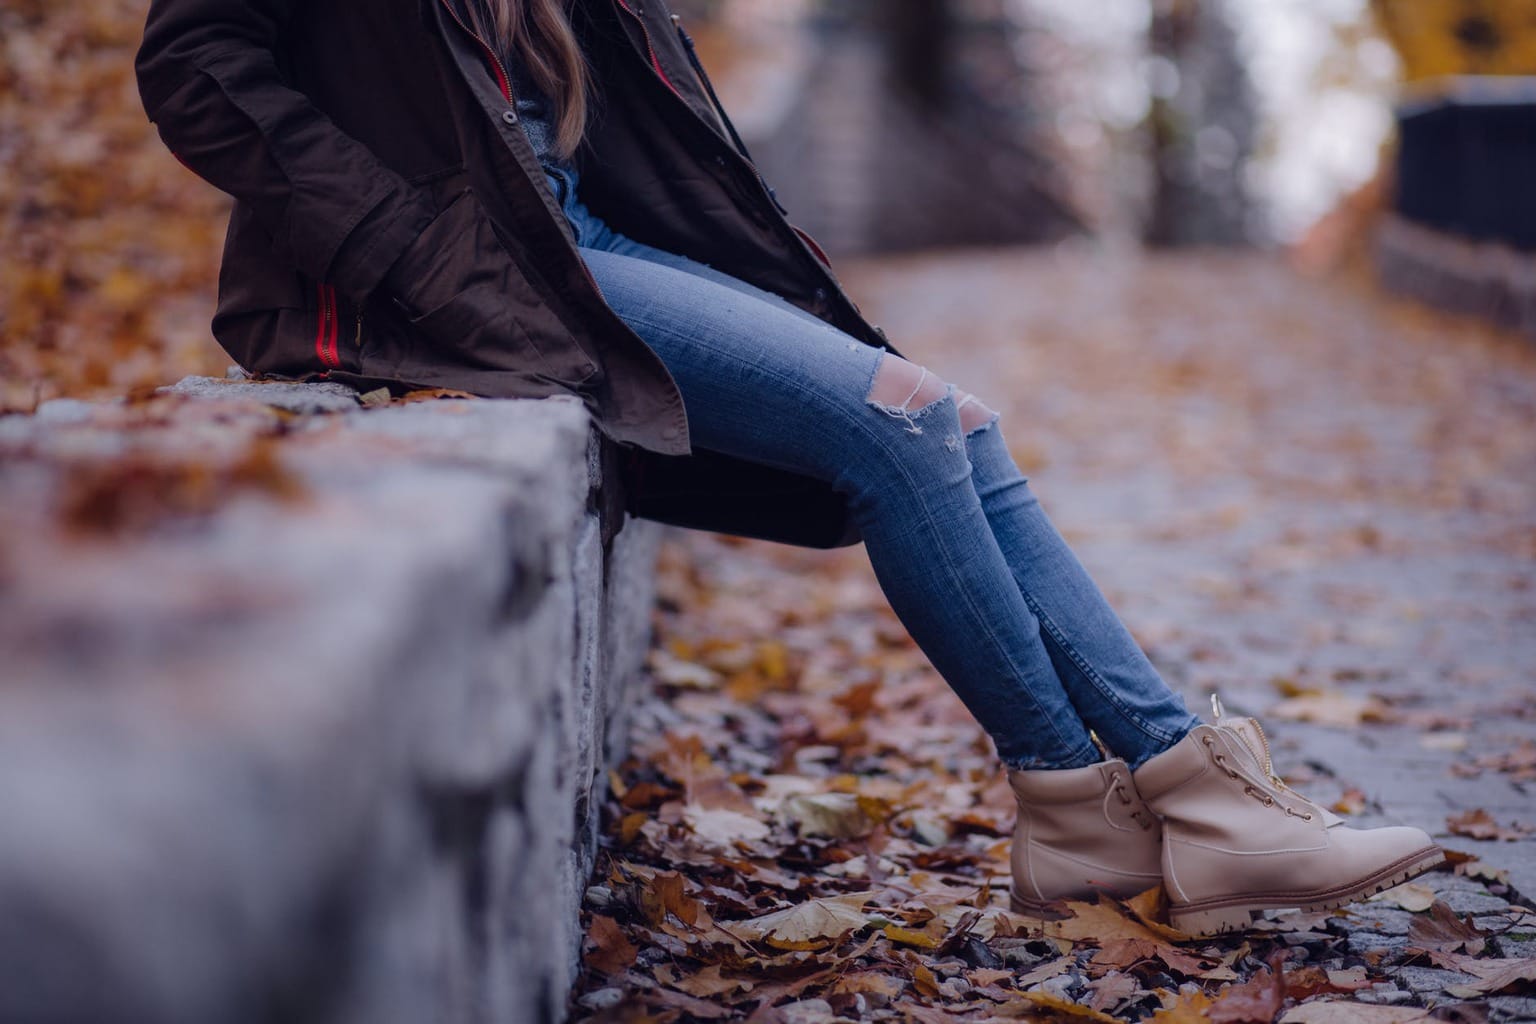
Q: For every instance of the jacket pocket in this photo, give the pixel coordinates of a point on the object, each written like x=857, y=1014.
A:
x=464, y=295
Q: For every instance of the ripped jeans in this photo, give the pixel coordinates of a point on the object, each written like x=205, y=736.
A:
x=965, y=555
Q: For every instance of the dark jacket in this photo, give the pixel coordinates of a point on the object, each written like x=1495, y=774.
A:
x=392, y=225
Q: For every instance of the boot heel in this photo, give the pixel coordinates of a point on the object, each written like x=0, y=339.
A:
x=1202, y=924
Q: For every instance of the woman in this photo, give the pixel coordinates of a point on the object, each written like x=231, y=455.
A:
x=517, y=199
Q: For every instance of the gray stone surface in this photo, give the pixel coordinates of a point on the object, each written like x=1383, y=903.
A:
x=294, y=397
x=323, y=757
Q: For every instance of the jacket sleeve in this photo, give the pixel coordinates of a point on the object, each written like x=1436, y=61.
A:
x=209, y=76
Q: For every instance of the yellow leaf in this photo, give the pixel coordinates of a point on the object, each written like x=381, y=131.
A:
x=911, y=937
x=838, y=815
x=1066, y=1008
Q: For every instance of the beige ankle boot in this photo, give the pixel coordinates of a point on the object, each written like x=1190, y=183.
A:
x=1236, y=840
x=1081, y=831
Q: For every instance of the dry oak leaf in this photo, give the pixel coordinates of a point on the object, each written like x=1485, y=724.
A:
x=814, y=924
x=1151, y=909
x=1121, y=938
x=1113, y=990
x=1255, y=1001
x=1442, y=931
x=664, y=894
x=611, y=951
x=1124, y=953
x=1352, y=1013
x=1493, y=976
x=1479, y=824
x=707, y=983
x=1099, y=923
x=1305, y=982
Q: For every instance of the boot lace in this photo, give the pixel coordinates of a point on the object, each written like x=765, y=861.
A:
x=1140, y=815
x=1264, y=797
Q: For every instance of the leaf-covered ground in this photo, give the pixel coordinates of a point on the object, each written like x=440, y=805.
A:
x=110, y=247
x=812, y=829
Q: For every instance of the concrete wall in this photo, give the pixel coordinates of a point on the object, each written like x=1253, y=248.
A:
x=314, y=738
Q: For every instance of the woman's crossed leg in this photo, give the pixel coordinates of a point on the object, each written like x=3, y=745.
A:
x=969, y=563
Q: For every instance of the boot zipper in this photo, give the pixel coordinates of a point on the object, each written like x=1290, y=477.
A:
x=1263, y=753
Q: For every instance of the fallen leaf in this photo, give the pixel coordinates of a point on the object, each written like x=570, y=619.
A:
x=1113, y=990
x=434, y=395
x=1044, y=971
x=911, y=937
x=1351, y=801
x=924, y=981
x=985, y=976
x=836, y=815
x=684, y=675
x=1099, y=923
x=709, y=983
x=1483, y=872
x=665, y=894
x=1443, y=931
x=723, y=828
x=870, y=982
x=814, y=924
x=1061, y=1007
x=1255, y=1001
x=1479, y=824
x=1452, y=742
x=609, y=949
x=1332, y=708
x=1410, y=896
x=1493, y=976
x=1151, y=909
x=1184, y=1008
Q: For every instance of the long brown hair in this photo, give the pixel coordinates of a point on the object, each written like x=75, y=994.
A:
x=538, y=32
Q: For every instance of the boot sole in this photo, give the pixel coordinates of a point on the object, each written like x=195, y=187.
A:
x=1206, y=918
x=1029, y=908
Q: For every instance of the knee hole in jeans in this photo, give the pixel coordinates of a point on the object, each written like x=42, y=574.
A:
x=974, y=416
x=902, y=389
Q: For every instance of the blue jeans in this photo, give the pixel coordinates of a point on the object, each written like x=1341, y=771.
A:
x=968, y=560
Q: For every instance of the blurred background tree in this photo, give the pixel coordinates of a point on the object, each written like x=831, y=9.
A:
x=884, y=125
x=1201, y=127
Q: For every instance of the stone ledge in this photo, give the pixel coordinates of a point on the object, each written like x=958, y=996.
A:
x=316, y=746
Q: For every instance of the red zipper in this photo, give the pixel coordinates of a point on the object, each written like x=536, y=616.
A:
x=650, y=48
x=325, y=332
x=503, y=80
